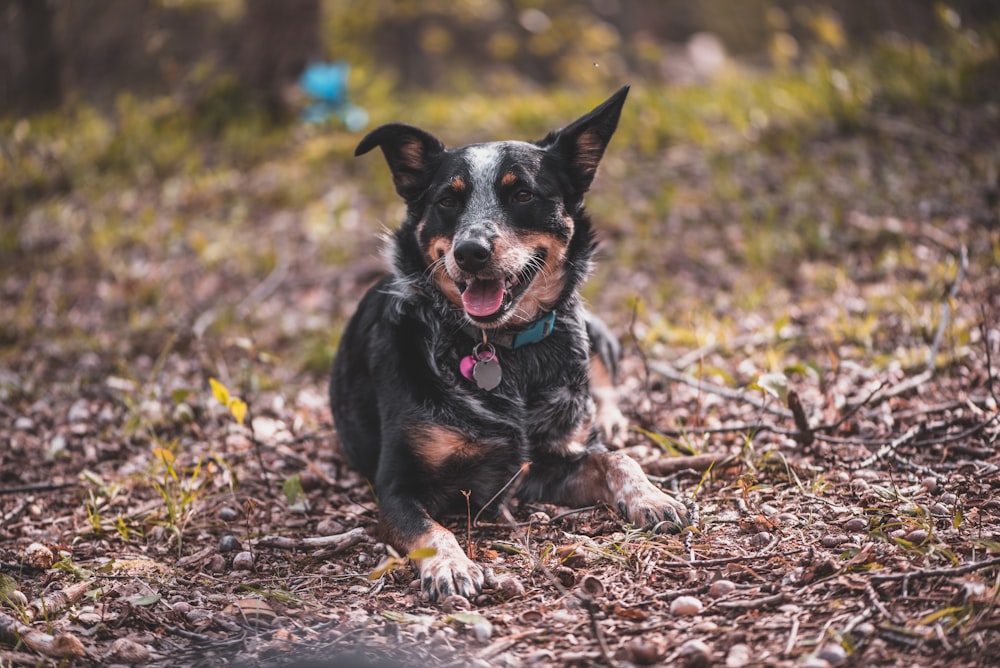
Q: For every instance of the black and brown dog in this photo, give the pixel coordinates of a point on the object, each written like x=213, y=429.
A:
x=475, y=356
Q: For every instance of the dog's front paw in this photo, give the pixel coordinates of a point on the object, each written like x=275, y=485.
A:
x=449, y=571
x=646, y=505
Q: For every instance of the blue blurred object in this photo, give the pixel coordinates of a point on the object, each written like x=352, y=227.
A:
x=326, y=85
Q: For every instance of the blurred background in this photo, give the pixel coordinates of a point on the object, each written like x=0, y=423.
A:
x=182, y=170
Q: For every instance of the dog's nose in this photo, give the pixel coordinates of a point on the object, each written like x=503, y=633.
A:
x=472, y=254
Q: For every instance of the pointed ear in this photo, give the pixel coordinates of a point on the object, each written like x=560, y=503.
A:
x=581, y=143
x=412, y=155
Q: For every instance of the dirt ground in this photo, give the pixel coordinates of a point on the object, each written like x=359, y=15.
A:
x=831, y=419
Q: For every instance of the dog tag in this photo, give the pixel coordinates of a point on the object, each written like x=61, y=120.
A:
x=487, y=373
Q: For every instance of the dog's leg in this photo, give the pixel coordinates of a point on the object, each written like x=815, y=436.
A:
x=604, y=355
x=613, y=478
x=446, y=571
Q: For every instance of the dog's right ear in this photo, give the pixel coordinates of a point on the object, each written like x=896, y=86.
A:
x=412, y=154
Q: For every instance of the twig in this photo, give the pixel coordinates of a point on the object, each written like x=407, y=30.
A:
x=736, y=395
x=804, y=436
x=890, y=447
x=792, y=637
x=963, y=266
x=57, y=600
x=40, y=487
x=729, y=560
x=337, y=542
x=662, y=466
x=753, y=603
x=61, y=646
x=936, y=572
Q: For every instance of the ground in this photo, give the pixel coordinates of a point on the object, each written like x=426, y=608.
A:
x=809, y=316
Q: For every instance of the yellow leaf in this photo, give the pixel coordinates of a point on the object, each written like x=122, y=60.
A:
x=219, y=391
x=163, y=454
x=422, y=553
x=238, y=408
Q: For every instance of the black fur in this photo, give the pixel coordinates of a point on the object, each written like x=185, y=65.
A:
x=405, y=415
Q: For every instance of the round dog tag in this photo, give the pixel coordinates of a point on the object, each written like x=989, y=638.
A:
x=487, y=373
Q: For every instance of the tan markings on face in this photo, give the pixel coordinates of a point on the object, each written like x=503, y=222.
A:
x=508, y=178
x=548, y=283
x=457, y=184
x=434, y=445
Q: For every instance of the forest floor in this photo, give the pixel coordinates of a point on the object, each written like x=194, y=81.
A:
x=812, y=351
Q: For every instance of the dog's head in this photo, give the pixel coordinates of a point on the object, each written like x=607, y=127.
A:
x=498, y=227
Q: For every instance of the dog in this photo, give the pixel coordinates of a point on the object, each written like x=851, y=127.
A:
x=474, y=362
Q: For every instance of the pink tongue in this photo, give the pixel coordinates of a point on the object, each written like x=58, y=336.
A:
x=483, y=297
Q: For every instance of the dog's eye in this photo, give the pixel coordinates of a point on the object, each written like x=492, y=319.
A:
x=448, y=202
x=523, y=196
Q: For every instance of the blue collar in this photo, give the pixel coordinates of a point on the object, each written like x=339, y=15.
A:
x=533, y=333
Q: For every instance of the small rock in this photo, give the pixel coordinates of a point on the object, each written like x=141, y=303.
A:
x=831, y=540
x=195, y=615
x=917, y=536
x=814, y=662
x=24, y=423
x=859, y=486
x=228, y=543
x=738, y=656
x=644, y=652
x=243, y=561
x=835, y=655
x=856, y=524
x=940, y=510
x=787, y=518
x=721, y=588
x=695, y=654
x=128, y=652
x=37, y=555
x=567, y=576
x=482, y=630
x=216, y=564
x=930, y=485
x=948, y=499
x=761, y=540
x=227, y=514
x=509, y=587
x=898, y=533
x=686, y=606
x=455, y=603
x=79, y=411
x=181, y=607
x=329, y=526
x=539, y=517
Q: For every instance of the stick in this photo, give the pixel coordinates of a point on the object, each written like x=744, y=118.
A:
x=703, y=386
x=56, y=601
x=662, y=466
x=937, y=572
x=337, y=542
x=752, y=604
x=62, y=646
x=41, y=487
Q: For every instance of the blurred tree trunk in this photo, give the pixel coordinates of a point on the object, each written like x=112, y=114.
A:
x=279, y=38
x=29, y=77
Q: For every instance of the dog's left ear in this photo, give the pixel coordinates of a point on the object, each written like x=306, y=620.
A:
x=581, y=144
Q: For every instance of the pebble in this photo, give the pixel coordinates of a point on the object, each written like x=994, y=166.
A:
x=330, y=527
x=539, y=517
x=787, y=518
x=686, y=606
x=78, y=412
x=856, y=524
x=738, y=656
x=455, y=603
x=948, y=499
x=917, y=536
x=227, y=514
x=24, y=423
x=216, y=564
x=482, y=630
x=643, y=652
x=695, y=654
x=128, y=652
x=721, y=588
x=940, y=510
x=814, y=662
x=761, y=539
x=243, y=561
x=930, y=485
x=509, y=587
x=181, y=607
x=835, y=655
x=196, y=615
x=831, y=540
x=228, y=543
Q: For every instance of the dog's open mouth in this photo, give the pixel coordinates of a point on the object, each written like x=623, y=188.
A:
x=487, y=299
